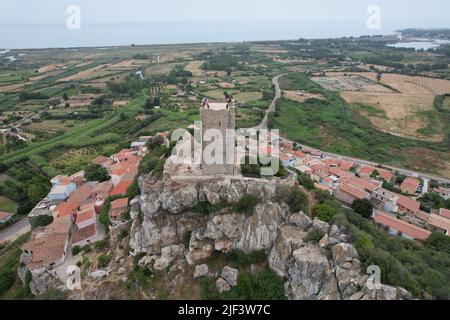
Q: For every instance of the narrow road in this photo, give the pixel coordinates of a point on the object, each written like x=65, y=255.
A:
x=263, y=125
x=15, y=231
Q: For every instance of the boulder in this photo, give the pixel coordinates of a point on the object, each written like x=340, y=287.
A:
x=98, y=275
x=222, y=285
x=201, y=271
x=320, y=225
x=343, y=252
x=300, y=220
x=121, y=270
x=230, y=275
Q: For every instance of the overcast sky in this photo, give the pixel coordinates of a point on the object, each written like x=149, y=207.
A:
x=149, y=11
x=42, y=23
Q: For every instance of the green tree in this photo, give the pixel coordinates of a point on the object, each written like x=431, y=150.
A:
x=363, y=207
x=96, y=172
x=297, y=200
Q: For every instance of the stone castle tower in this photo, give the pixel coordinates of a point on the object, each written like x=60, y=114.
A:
x=220, y=116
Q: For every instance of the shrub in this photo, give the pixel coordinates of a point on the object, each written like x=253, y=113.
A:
x=6, y=281
x=42, y=221
x=76, y=250
x=297, y=200
x=103, y=260
x=102, y=244
x=246, y=204
x=207, y=208
x=324, y=212
x=96, y=172
x=315, y=235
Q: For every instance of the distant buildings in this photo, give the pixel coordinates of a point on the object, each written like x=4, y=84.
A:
x=5, y=216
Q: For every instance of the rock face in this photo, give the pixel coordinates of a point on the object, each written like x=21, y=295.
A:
x=170, y=233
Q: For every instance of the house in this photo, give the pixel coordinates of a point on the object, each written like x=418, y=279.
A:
x=49, y=250
x=367, y=185
x=323, y=188
x=386, y=175
x=102, y=161
x=444, y=213
x=60, y=193
x=83, y=194
x=118, y=208
x=400, y=227
x=406, y=205
x=65, y=209
x=122, y=187
x=443, y=192
x=62, y=187
x=85, y=216
x=136, y=145
x=85, y=230
x=5, y=216
x=440, y=223
x=85, y=236
x=387, y=200
x=366, y=171
x=348, y=193
x=410, y=185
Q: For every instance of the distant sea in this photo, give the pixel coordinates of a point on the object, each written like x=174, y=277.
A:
x=98, y=35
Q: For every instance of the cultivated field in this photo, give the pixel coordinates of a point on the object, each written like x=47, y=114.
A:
x=194, y=67
x=404, y=100
x=301, y=96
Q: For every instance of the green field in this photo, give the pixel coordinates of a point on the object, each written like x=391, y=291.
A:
x=7, y=204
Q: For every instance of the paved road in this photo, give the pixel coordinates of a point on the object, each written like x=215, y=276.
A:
x=424, y=176
x=15, y=231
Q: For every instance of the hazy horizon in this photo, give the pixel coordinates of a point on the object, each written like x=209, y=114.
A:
x=31, y=24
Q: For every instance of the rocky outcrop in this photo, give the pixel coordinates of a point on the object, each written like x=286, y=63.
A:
x=329, y=269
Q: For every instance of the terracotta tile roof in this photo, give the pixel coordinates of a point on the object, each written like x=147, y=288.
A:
x=122, y=187
x=404, y=227
x=119, y=203
x=444, y=213
x=340, y=173
x=366, y=170
x=353, y=191
x=101, y=160
x=410, y=185
x=346, y=165
x=85, y=213
x=321, y=187
x=442, y=190
x=83, y=234
x=368, y=185
x=103, y=188
x=422, y=215
x=4, y=215
x=65, y=209
x=408, y=203
x=82, y=194
x=386, y=175
x=439, y=222
x=118, y=207
x=50, y=247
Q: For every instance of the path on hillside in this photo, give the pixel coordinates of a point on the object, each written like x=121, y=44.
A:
x=275, y=82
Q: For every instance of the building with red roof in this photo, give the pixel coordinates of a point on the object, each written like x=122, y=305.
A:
x=444, y=213
x=118, y=208
x=122, y=187
x=410, y=185
x=400, y=227
x=348, y=193
x=65, y=209
x=85, y=216
x=406, y=205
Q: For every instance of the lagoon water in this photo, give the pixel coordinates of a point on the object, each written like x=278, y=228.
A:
x=419, y=45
